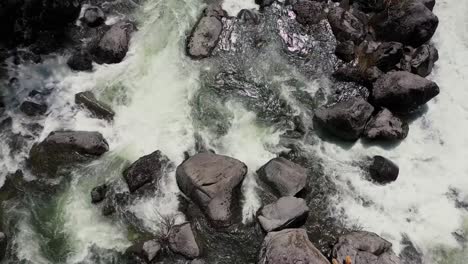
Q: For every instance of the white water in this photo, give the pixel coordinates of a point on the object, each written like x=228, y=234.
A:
x=233, y=7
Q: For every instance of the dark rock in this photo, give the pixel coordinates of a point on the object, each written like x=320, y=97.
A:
x=93, y=17
x=98, y=193
x=113, y=46
x=345, y=120
x=403, y=91
x=388, y=55
x=80, y=61
x=345, y=51
x=145, y=251
x=346, y=26
x=213, y=182
x=370, y=5
x=264, y=3
x=309, y=12
x=183, y=241
x=285, y=177
x=410, y=23
x=3, y=245
x=423, y=60
x=428, y=3
x=286, y=212
x=386, y=126
x=248, y=16
x=361, y=75
x=289, y=246
x=33, y=109
x=96, y=107
x=147, y=169
x=205, y=35
x=383, y=170
x=63, y=148
x=364, y=248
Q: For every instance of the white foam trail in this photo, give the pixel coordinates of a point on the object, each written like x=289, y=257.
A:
x=233, y=7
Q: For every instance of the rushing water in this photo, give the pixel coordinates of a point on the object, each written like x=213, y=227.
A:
x=156, y=93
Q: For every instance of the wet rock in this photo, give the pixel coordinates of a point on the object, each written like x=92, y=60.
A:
x=33, y=109
x=98, y=194
x=346, y=26
x=93, y=17
x=205, y=35
x=113, y=46
x=369, y=6
x=64, y=148
x=410, y=23
x=96, y=107
x=183, y=241
x=388, y=55
x=360, y=75
x=286, y=212
x=264, y=3
x=386, y=126
x=363, y=248
x=403, y=91
x=248, y=16
x=289, y=246
x=383, y=170
x=284, y=177
x=410, y=254
x=213, y=182
x=423, y=60
x=80, y=61
x=345, y=51
x=309, y=12
x=146, y=170
x=145, y=251
x=346, y=119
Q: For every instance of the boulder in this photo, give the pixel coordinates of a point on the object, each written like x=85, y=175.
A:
x=428, y=3
x=205, y=34
x=383, y=170
x=213, y=182
x=402, y=91
x=388, y=55
x=346, y=120
x=145, y=251
x=289, y=246
x=309, y=12
x=96, y=107
x=183, y=241
x=345, y=51
x=346, y=26
x=423, y=60
x=63, y=148
x=284, y=177
x=114, y=44
x=364, y=248
x=33, y=109
x=286, y=212
x=98, y=193
x=386, y=126
x=93, y=16
x=80, y=61
x=410, y=23
x=146, y=170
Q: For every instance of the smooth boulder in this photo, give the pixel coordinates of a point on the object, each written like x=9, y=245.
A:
x=402, y=91
x=182, y=241
x=346, y=120
x=96, y=107
x=289, y=246
x=346, y=26
x=205, y=35
x=114, y=44
x=213, y=182
x=383, y=170
x=286, y=212
x=386, y=126
x=63, y=148
x=284, y=177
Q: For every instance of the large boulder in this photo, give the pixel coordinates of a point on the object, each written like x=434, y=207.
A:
x=383, y=170
x=346, y=26
x=364, y=248
x=147, y=170
x=403, y=91
x=386, y=126
x=114, y=44
x=286, y=212
x=63, y=148
x=346, y=119
x=205, y=35
x=213, y=182
x=284, y=177
x=96, y=107
x=290, y=246
x=410, y=23
x=182, y=240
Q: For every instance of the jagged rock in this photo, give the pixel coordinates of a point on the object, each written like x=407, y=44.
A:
x=80, y=61
x=286, y=212
x=289, y=246
x=147, y=169
x=309, y=12
x=183, y=241
x=345, y=120
x=98, y=193
x=93, y=17
x=386, y=126
x=145, y=251
x=423, y=60
x=410, y=23
x=213, y=182
x=63, y=148
x=403, y=91
x=33, y=109
x=96, y=107
x=205, y=35
x=364, y=248
x=284, y=177
x=383, y=170
x=345, y=51
x=346, y=26
x=113, y=46
x=388, y=55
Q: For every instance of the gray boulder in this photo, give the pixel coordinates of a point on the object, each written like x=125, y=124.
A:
x=346, y=26
x=386, y=126
x=383, y=170
x=423, y=60
x=114, y=44
x=213, y=182
x=286, y=212
x=346, y=120
x=143, y=251
x=205, y=35
x=284, y=177
x=289, y=246
x=183, y=241
x=403, y=91
x=63, y=148
x=96, y=107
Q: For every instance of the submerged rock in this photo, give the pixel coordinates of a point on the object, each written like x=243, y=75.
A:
x=33, y=109
x=383, y=170
x=96, y=107
x=403, y=91
x=345, y=120
x=287, y=212
x=213, y=182
x=346, y=26
x=3, y=245
x=80, y=61
x=98, y=194
x=345, y=51
x=182, y=240
x=114, y=44
x=284, y=177
x=63, y=148
x=386, y=126
x=93, y=17
x=290, y=246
